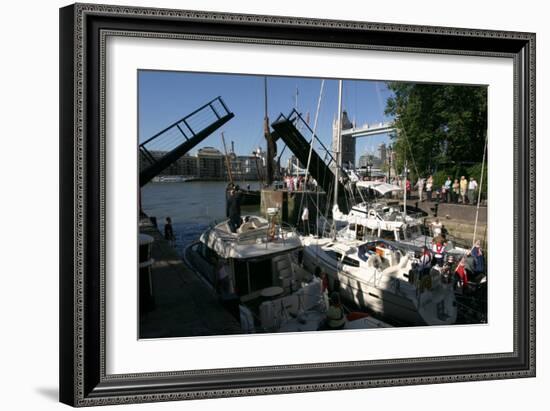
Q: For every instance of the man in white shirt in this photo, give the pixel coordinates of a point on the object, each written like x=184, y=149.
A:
x=448, y=184
x=472, y=188
x=420, y=185
x=305, y=220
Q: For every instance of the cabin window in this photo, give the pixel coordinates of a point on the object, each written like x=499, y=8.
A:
x=261, y=275
x=359, y=232
x=241, y=277
x=352, y=262
x=252, y=276
x=334, y=255
x=387, y=235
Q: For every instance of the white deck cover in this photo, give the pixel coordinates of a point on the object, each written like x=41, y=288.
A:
x=252, y=241
x=379, y=186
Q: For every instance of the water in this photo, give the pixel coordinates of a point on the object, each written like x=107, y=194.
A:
x=193, y=206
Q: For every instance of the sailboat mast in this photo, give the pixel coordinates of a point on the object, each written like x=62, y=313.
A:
x=227, y=163
x=338, y=147
x=405, y=189
x=271, y=148
x=338, y=151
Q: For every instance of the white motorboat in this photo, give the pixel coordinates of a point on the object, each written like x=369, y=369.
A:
x=369, y=220
x=256, y=271
x=382, y=277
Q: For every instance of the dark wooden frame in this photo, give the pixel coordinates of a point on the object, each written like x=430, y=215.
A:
x=83, y=29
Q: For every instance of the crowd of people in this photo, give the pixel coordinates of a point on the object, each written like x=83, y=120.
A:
x=468, y=269
x=457, y=191
x=299, y=183
x=463, y=191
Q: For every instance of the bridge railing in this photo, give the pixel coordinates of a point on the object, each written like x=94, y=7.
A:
x=323, y=152
x=184, y=129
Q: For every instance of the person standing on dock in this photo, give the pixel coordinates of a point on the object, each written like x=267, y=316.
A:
x=456, y=191
x=447, y=185
x=168, y=230
x=429, y=188
x=463, y=189
x=472, y=187
x=420, y=186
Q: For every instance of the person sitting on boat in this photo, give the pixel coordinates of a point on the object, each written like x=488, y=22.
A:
x=336, y=319
x=437, y=227
x=477, y=254
x=461, y=274
x=425, y=261
x=322, y=275
x=438, y=249
x=447, y=271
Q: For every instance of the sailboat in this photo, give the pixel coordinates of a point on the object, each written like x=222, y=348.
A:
x=248, y=197
x=380, y=275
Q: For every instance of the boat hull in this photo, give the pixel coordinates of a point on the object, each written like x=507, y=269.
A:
x=390, y=301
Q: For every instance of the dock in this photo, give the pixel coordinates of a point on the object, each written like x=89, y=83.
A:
x=184, y=304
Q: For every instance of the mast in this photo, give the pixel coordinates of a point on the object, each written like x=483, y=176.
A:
x=479, y=192
x=405, y=189
x=228, y=165
x=271, y=148
x=338, y=152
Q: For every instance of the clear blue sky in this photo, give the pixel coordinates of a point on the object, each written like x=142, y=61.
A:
x=165, y=97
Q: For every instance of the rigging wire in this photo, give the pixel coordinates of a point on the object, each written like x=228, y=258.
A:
x=479, y=192
x=311, y=143
x=409, y=146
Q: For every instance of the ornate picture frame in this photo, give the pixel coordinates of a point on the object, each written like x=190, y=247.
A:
x=84, y=29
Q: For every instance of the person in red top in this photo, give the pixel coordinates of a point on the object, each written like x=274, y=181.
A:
x=438, y=249
x=461, y=272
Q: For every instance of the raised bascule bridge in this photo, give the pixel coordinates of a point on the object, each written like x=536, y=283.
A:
x=291, y=129
x=164, y=148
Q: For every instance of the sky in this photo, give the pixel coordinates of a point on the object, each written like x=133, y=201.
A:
x=165, y=97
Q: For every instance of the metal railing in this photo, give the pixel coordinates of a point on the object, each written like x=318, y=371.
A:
x=156, y=146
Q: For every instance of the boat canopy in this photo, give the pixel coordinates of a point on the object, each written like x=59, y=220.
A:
x=256, y=238
x=379, y=186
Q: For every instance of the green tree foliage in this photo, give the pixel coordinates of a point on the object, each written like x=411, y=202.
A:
x=440, y=128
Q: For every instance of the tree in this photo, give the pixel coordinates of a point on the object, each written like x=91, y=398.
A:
x=439, y=127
